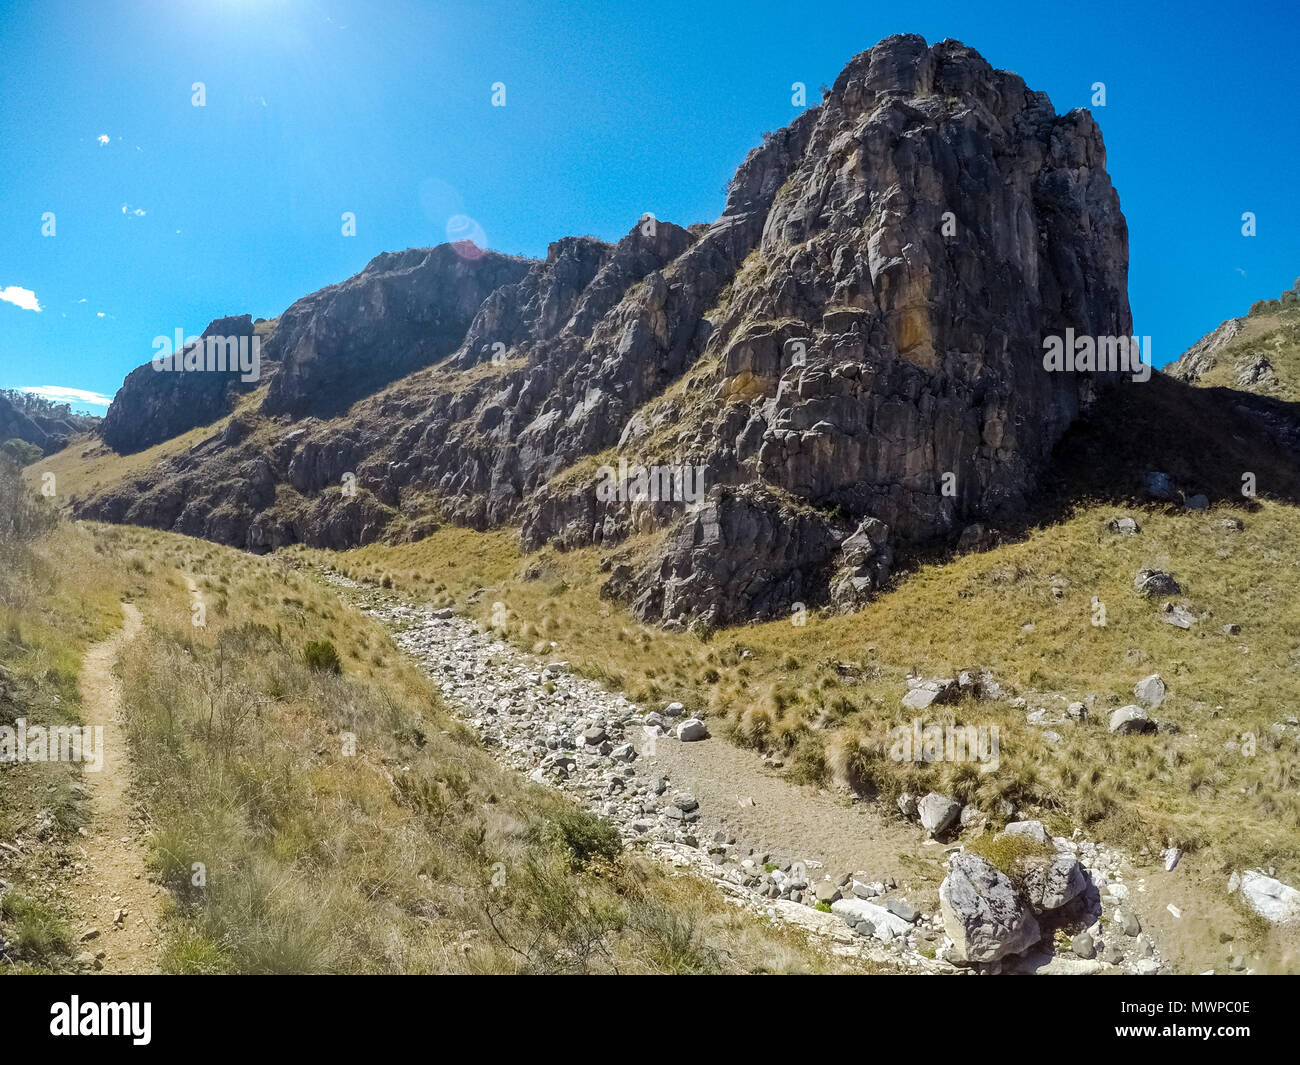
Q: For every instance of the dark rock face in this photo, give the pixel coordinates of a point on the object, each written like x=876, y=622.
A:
x=924, y=350
x=852, y=354
x=154, y=405
x=403, y=312
x=743, y=555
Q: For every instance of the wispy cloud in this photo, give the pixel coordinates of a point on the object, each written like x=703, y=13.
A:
x=136, y=212
x=60, y=394
x=20, y=297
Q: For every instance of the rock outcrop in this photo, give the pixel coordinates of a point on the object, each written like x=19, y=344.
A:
x=403, y=312
x=851, y=357
x=154, y=404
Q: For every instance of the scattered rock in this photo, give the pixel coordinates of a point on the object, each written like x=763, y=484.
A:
x=905, y=910
x=1128, y=922
x=1130, y=719
x=1150, y=691
x=884, y=924
x=938, y=813
x=926, y=693
x=1155, y=583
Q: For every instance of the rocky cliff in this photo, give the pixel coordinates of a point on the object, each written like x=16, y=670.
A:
x=850, y=357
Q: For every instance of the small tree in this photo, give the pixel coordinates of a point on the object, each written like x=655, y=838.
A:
x=20, y=452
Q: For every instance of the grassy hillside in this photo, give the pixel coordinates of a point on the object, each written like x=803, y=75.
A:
x=339, y=821
x=86, y=466
x=1262, y=356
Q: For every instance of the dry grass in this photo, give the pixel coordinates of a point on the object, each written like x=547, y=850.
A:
x=792, y=689
x=413, y=853
x=59, y=592
x=1276, y=336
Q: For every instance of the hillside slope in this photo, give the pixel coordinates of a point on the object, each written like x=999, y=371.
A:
x=1258, y=353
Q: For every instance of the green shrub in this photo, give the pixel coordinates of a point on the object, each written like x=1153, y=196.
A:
x=1010, y=853
x=20, y=451
x=39, y=933
x=587, y=836
x=323, y=657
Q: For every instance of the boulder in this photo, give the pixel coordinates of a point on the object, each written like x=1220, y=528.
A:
x=692, y=729
x=1030, y=830
x=983, y=915
x=938, y=813
x=1150, y=691
x=1049, y=883
x=1130, y=719
x=925, y=693
x=1271, y=899
x=1154, y=583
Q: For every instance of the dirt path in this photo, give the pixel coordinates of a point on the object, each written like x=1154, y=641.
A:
x=115, y=882
x=775, y=815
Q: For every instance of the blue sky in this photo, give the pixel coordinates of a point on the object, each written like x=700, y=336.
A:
x=383, y=108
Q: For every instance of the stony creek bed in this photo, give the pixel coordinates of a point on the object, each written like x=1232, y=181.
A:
x=624, y=762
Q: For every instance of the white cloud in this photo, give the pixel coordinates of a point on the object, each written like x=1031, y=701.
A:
x=20, y=297
x=127, y=209
x=103, y=138
x=59, y=394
